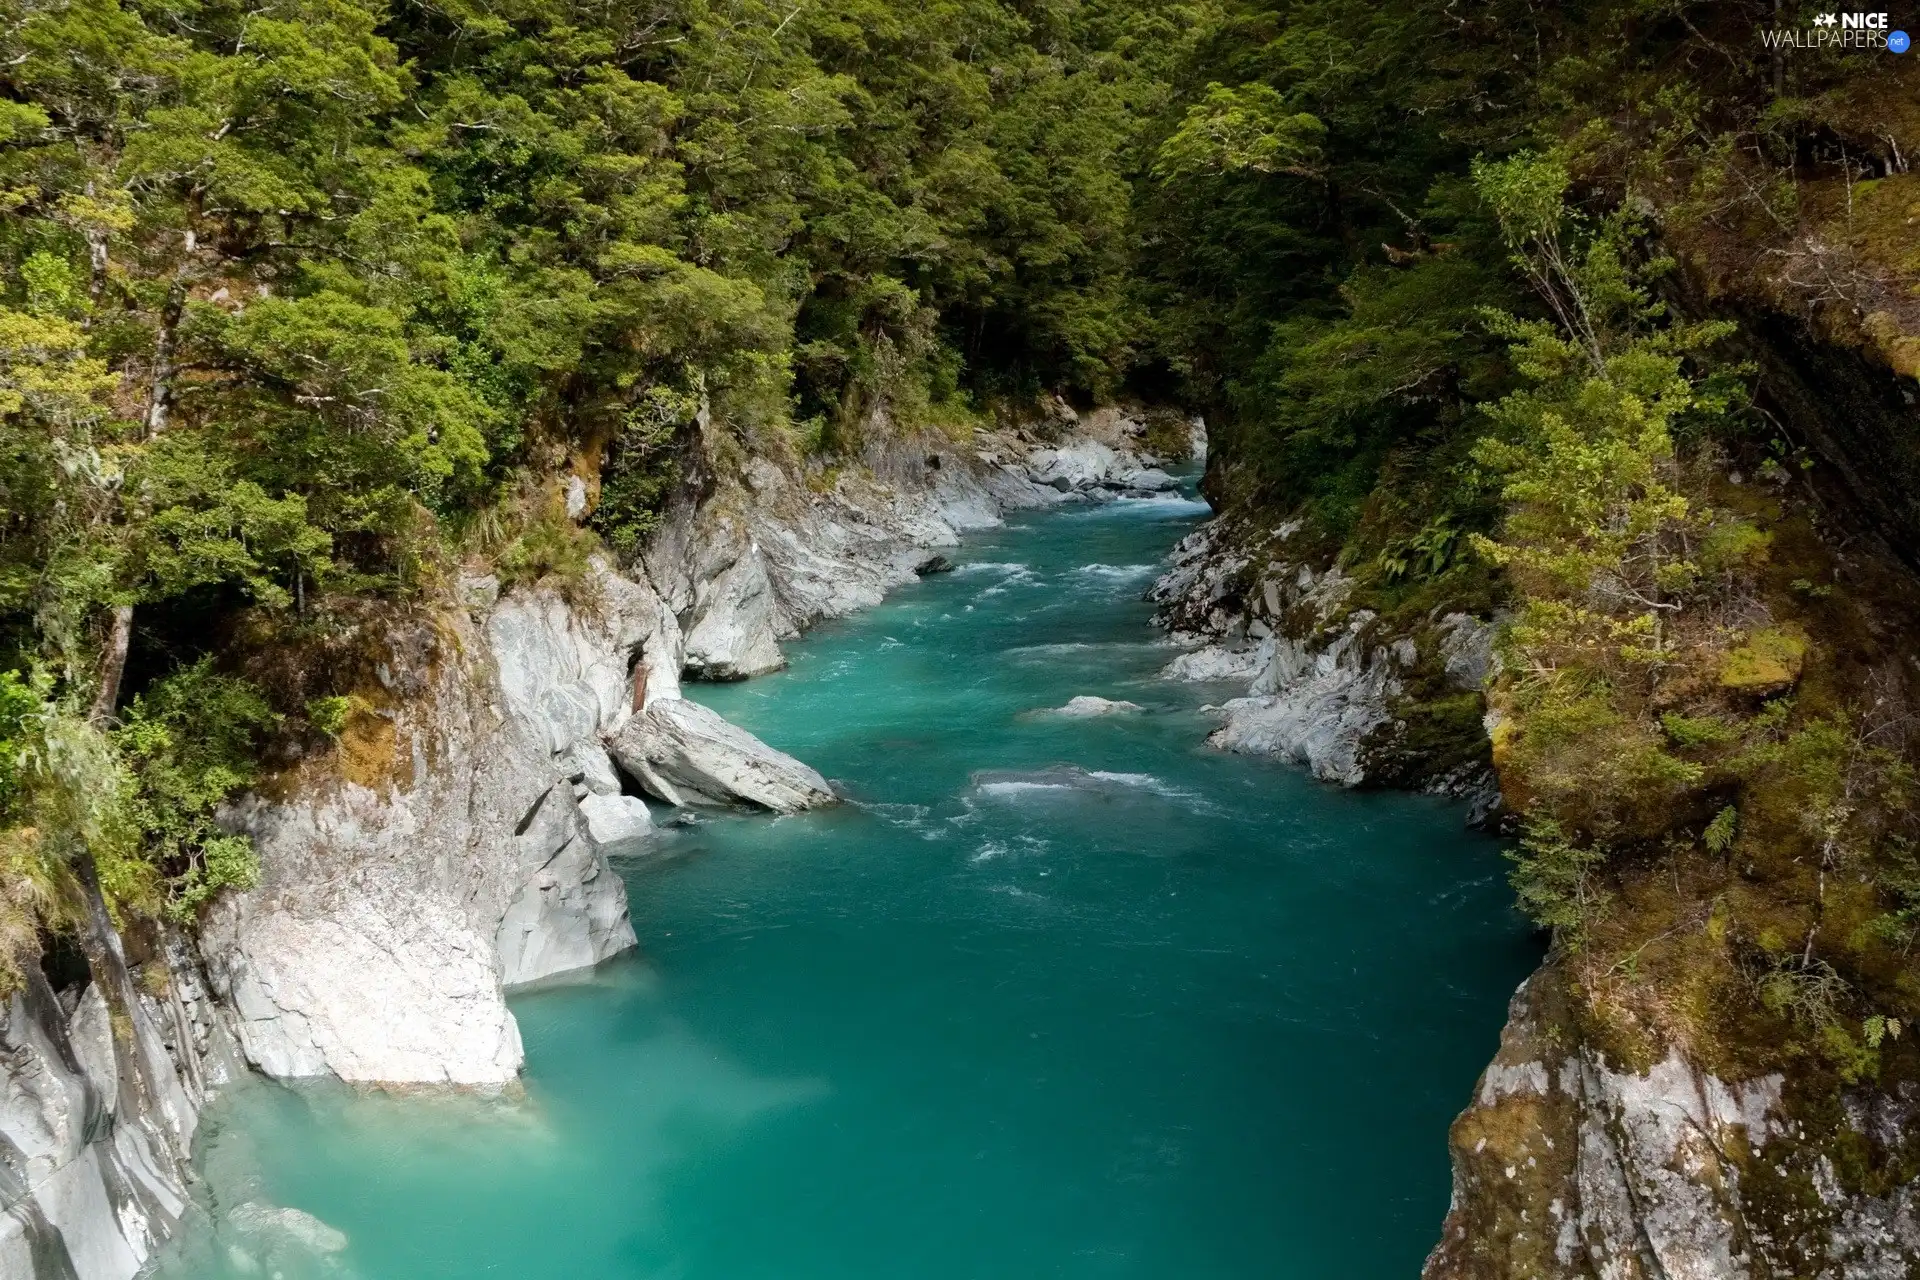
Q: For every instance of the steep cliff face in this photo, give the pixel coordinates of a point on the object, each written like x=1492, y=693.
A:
x=456, y=840
x=440, y=854
x=98, y=1109
x=1572, y=1163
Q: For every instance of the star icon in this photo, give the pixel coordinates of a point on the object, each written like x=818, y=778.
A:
x=1825, y=20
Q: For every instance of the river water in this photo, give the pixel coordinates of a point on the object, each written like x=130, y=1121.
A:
x=1050, y=997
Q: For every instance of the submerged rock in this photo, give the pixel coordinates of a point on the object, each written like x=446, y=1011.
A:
x=685, y=754
x=275, y=1223
x=1088, y=705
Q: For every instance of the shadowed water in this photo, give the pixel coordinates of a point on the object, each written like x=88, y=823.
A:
x=1050, y=997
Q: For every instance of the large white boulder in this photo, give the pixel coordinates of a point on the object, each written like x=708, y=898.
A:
x=1148, y=479
x=615, y=820
x=1080, y=465
x=686, y=754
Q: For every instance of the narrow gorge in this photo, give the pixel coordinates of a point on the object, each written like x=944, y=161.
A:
x=1013, y=997
x=715, y=638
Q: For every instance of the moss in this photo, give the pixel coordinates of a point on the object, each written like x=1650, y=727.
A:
x=372, y=754
x=1770, y=661
x=1167, y=435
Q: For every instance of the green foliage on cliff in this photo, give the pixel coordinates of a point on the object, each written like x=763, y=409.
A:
x=189, y=743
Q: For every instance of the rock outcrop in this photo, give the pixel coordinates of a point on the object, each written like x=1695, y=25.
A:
x=1090, y=468
x=686, y=754
x=1326, y=682
x=1569, y=1165
x=440, y=854
x=764, y=556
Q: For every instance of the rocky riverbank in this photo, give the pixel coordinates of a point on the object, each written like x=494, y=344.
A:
x=456, y=839
x=1354, y=695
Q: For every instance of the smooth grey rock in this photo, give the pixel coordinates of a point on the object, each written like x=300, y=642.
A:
x=590, y=765
x=1080, y=465
x=730, y=631
x=616, y=819
x=89, y=1187
x=90, y=1032
x=571, y=914
x=684, y=754
x=394, y=910
x=1148, y=480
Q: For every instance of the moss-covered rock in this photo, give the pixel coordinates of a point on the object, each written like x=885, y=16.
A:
x=1769, y=661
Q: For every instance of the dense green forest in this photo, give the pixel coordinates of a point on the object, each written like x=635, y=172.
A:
x=304, y=302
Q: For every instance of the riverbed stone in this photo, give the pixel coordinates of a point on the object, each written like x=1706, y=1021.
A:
x=1087, y=704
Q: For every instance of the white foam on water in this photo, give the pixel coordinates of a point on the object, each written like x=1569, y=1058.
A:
x=1144, y=782
x=1041, y=652
x=910, y=816
x=972, y=567
x=1170, y=503
x=1070, y=779
x=1021, y=788
x=1117, y=572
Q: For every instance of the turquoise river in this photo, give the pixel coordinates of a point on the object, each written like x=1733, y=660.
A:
x=1048, y=997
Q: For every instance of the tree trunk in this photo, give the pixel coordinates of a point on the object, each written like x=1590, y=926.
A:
x=160, y=399
x=113, y=665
